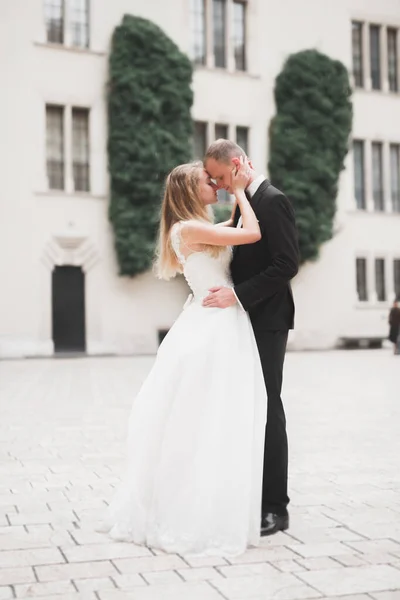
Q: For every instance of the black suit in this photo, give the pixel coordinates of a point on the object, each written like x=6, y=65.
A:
x=261, y=274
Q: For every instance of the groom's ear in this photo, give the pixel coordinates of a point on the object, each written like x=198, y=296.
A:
x=236, y=162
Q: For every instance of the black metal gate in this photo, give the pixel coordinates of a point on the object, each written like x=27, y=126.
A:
x=68, y=294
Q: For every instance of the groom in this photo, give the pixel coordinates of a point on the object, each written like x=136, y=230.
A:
x=261, y=274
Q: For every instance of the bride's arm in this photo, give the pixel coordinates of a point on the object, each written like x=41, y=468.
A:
x=196, y=232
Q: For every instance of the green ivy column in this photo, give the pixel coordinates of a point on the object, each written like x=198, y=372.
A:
x=309, y=141
x=150, y=129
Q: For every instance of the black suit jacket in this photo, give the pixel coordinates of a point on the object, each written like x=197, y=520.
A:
x=261, y=272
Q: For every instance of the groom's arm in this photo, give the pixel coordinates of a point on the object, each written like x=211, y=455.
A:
x=278, y=222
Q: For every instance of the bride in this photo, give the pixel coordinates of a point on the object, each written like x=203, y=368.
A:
x=196, y=430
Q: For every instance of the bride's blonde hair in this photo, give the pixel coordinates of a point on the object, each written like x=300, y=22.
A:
x=181, y=202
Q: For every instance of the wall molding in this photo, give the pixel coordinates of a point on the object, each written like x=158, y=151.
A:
x=70, y=248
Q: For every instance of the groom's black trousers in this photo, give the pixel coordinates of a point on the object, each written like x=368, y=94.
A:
x=272, y=348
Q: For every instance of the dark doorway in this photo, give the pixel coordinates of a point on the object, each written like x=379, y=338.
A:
x=68, y=294
x=161, y=335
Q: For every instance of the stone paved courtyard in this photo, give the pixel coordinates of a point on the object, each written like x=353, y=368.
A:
x=62, y=432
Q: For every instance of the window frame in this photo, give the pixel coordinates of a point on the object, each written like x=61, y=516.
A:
x=194, y=20
x=358, y=69
x=77, y=165
x=55, y=167
x=362, y=279
x=378, y=185
x=395, y=191
x=396, y=277
x=360, y=193
x=196, y=128
x=375, y=57
x=241, y=129
x=380, y=290
x=240, y=56
x=69, y=24
x=47, y=6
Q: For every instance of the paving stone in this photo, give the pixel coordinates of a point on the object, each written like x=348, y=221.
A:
x=177, y=591
x=71, y=596
x=124, y=582
x=375, y=546
x=146, y=564
x=351, y=560
x=350, y=597
x=284, y=586
x=288, y=566
x=95, y=584
x=39, y=556
x=205, y=561
x=161, y=577
x=104, y=552
x=199, y=574
x=35, y=590
x=17, y=575
x=353, y=580
x=319, y=550
x=265, y=569
x=263, y=555
x=321, y=562
x=76, y=571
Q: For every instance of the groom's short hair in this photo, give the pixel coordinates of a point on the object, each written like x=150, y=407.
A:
x=224, y=150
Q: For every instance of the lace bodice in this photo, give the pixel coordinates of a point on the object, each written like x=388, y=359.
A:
x=201, y=270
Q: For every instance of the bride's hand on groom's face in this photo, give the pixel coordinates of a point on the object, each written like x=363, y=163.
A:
x=240, y=174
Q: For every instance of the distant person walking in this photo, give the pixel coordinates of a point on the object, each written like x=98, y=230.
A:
x=394, y=323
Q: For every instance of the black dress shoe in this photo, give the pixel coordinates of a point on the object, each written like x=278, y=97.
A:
x=272, y=523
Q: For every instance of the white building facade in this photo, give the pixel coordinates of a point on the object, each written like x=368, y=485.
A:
x=60, y=285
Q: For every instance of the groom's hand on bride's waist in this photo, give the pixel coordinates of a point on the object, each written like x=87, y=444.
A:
x=220, y=297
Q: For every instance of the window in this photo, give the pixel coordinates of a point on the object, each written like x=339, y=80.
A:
x=219, y=19
x=74, y=31
x=375, y=56
x=198, y=24
x=55, y=146
x=199, y=140
x=395, y=176
x=380, y=286
x=396, y=276
x=357, y=31
x=239, y=34
x=54, y=17
x=359, y=173
x=219, y=33
x=79, y=23
x=377, y=176
x=80, y=149
x=221, y=131
x=392, y=60
x=361, y=274
x=242, y=138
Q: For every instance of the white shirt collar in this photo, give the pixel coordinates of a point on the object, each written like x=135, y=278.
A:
x=253, y=187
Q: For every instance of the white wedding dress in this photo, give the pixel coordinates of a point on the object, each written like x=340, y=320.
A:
x=196, y=430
